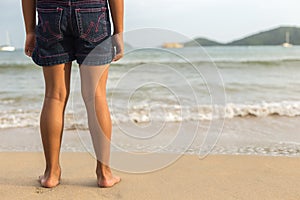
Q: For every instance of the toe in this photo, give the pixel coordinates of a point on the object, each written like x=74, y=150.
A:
x=109, y=183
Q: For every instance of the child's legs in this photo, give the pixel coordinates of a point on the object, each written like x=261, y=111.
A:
x=57, y=83
x=93, y=88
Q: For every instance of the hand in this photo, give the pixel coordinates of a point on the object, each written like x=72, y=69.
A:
x=29, y=44
x=117, y=41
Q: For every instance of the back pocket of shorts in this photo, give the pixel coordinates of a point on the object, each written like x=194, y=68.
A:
x=92, y=23
x=49, y=24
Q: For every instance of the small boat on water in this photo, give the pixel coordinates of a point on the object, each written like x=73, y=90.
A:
x=7, y=46
x=172, y=45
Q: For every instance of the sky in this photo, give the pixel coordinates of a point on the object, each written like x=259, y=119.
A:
x=221, y=20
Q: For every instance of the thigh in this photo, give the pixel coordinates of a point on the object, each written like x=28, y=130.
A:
x=93, y=80
x=57, y=80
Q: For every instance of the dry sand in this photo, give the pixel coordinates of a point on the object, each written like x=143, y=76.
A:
x=215, y=177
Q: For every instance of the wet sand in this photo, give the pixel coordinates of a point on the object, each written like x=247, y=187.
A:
x=270, y=136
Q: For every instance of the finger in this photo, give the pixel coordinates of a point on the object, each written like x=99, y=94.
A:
x=28, y=52
x=118, y=57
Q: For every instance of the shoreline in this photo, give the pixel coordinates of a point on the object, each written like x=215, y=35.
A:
x=215, y=177
x=271, y=136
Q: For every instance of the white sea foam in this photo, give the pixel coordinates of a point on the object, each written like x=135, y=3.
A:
x=165, y=113
x=162, y=113
x=170, y=113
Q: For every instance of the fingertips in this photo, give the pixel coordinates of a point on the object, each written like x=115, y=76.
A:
x=28, y=53
x=117, y=57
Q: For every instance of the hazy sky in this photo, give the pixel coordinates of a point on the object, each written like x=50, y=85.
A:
x=222, y=20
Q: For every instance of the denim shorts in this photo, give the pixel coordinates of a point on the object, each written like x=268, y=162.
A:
x=69, y=30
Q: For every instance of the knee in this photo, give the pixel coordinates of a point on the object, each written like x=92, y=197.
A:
x=96, y=95
x=59, y=94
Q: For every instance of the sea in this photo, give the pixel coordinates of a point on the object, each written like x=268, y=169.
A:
x=250, y=96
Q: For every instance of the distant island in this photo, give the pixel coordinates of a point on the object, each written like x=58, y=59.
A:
x=272, y=37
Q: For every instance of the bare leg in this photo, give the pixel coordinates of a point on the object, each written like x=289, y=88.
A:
x=57, y=82
x=93, y=88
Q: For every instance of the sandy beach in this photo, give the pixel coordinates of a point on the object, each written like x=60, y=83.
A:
x=215, y=177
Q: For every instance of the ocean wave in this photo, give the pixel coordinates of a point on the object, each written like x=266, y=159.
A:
x=288, y=109
x=209, y=112
x=267, y=63
x=220, y=62
x=18, y=118
x=162, y=113
x=17, y=66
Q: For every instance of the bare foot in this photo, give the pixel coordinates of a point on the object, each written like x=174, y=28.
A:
x=50, y=180
x=106, y=182
x=105, y=177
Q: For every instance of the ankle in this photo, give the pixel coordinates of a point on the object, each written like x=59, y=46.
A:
x=103, y=171
x=53, y=169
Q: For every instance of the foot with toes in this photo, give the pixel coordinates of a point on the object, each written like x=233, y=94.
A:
x=105, y=177
x=50, y=179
